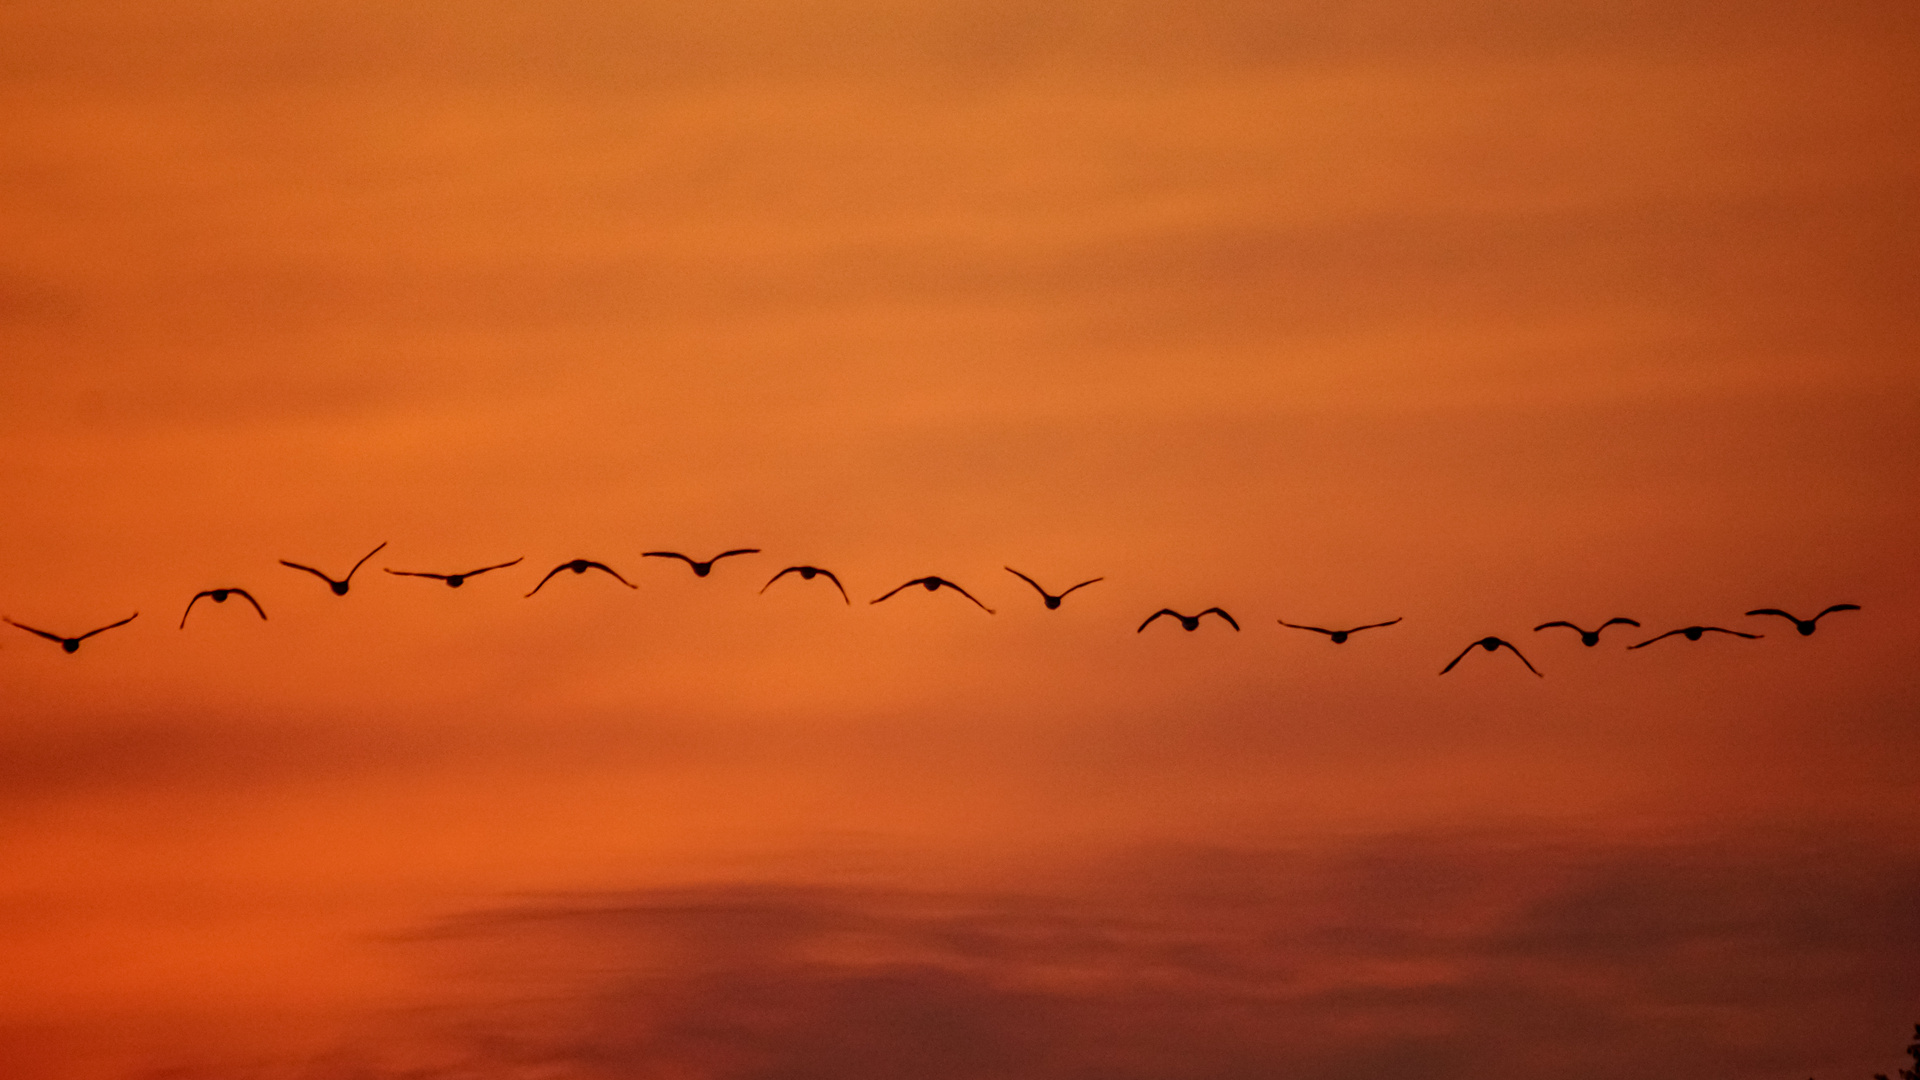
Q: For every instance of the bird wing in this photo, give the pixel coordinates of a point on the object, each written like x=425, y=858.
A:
x=1735, y=633
x=190, y=603
x=310, y=570
x=1222, y=613
x=1300, y=626
x=250, y=600
x=1774, y=611
x=780, y=575
x=1083, y=585
x=1457, y=659
x=735, y=551
x=108, y=627
x=1836, y=607
x=417, y=573
x=615, y=573
x=549, y=576
x=668, y=555
x=1030, y=581
x=1559, y=622
x=1509, y=645
x=495, y=566
x=42, y=633
x=1375, y=626
x=965, y=593
x=1651, y=640
x=1157, y=614
x=836, y=584
x=363, y=560
x=1618, y=619
x=915, y=581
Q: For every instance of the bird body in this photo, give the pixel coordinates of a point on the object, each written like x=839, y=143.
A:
x=453, y=581
x=933, y=583
x=1189, y=622
x=219, y=596
x=1805, y=626
x=700, y=569
x=808, y=573
x=339, y=587
x=1052, y=601
x=1339, y=636
x=1490, y=644
x=1693, y=633
x=581, y=566
x=1588, y=638
x=72, y=644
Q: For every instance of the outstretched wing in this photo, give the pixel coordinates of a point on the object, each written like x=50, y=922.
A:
x=42, y=633
x=1375, y=626
x=1222, y=613
x=1558, y=622
x=781, y=574
x=250, y=600
x=190, y=603
x=108, y=627
x=731, y=554
x=419, y=573
x=1834, y=608
x=1774, y=611
x=1457, y=659
x=1082, y=585
x=668, y=555
x=1618, y=619
x=1735, y=633
x=1651, y=640
x=549, y=576
x=310, y=570
x=363, y=561
x=611, y=570
x=1509, y=646
x=495, y=566
x=915, y=581
x=966, y=594
x=1030, y=581
x=1301, y=626
x=1157, y=614
x=836, y=584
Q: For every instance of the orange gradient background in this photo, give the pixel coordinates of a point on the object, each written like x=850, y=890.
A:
x=1476, y=312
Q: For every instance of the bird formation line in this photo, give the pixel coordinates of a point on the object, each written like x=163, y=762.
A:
x=931, y=583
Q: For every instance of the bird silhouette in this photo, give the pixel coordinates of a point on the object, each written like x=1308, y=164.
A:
x=1189, y=622
x=1805, y=626
x=932, y=583
x=1588, y=638
x=453, y=581
x=1339, y=636
x=700, y=569
x=339, y=587
x=1053, y=602
x=808, y=573
x=1692, y=633
x=72, y=644
x=581, y=566
x=1490, y=644
x=219, y=596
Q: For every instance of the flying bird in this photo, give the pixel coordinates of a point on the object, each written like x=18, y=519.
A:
x=1805, y=626
x=700, y=569
x=1339, y=636
x=808, y=573
x=339, y=587
x=1490, y=644
x=1189, y=622
x=219, y=596
x=1588, y=638
x=72, y=644
x=453, y=581
x=932, y=583
x=581, y=566
x=1053, y=602
x=1692, y=633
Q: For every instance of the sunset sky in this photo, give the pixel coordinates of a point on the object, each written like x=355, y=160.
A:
x=1474, y=313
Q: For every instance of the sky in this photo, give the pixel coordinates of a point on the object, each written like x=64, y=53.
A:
x=1475, y=314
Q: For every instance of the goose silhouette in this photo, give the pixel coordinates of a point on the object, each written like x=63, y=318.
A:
x=219, y=596
x=1339, y=636
x=1805, y=626
x=1693, y=633
x=1052, y=601
x=700, y=569
x=581, y=566
x=933, y=583
x=808, y=573
x=454, y=581
x=1588, y=638
x=339, y=587
x=1490, y=644
x=1189, y=622
x=72, y=644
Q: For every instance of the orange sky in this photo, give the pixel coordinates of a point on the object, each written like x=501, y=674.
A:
x=1473, y=312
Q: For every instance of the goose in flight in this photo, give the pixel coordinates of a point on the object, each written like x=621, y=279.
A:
x=1692, y=633
x=1588, y=638
x=219, y=596
x=1053, y=602
x=72, y=644
x=1339, y=636
x=700, y=569
x=453, y=581
x=581, y=566
x=1805, y=626
x=339, y=587
x=1490, y=644
x=808, y=573
x=932, y=583
x=1189, y=622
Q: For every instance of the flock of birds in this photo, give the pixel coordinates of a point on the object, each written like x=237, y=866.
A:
x=704, y=567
